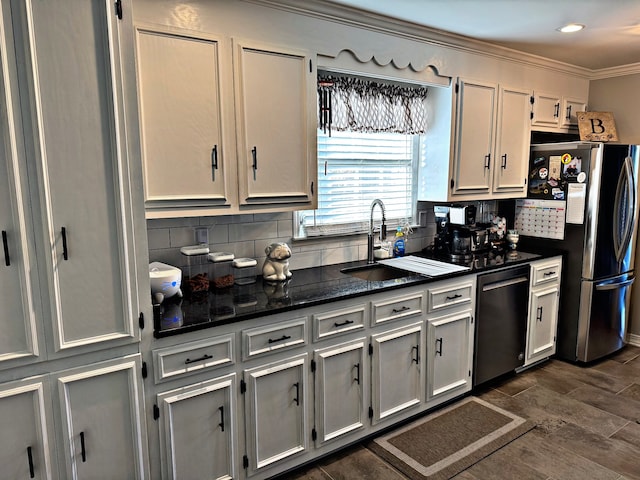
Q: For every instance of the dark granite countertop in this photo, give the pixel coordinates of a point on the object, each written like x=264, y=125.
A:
x=307, y=287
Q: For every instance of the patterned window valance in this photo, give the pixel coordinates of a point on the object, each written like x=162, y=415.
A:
x=360, y=105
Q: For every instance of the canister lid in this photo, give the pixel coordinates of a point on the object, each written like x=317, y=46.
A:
x=195, y=250
x=220, y=257
x=244, y=262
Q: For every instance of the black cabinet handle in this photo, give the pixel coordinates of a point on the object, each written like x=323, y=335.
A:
x=568, y=112
x=221, y=424
x=65, y=251
x=546, y=274
x=214, y=162
x=32, y=473
x=417, y=357
x=83, y=451
x=556, y=112
x=357, y=379
x=439, y=346
x=254, y=155
x=457, y=295
x=199, y=359
x=504, y=161
x=400, y=310
x=281, y=339
x=297, y=387
x=342, y=324
x=539, y=317
x=487, y=160
x=5, y=246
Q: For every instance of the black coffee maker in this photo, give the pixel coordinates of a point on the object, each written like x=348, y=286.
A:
x=461, y=221
x=442, y=240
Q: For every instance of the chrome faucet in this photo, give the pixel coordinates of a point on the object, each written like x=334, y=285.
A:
x=383, y=229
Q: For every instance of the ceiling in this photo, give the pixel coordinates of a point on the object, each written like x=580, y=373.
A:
x=611, y=37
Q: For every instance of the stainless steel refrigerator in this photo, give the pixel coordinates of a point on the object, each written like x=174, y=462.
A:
x=598, y=184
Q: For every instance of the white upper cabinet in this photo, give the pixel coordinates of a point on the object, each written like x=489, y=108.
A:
x=546, y=110
x=474, y=137
x=181, y=86
x=512, y=142
x=21, y=337
x=73, y=123
x=276, y=124
x=491, y=142
x=555, y=112
x=228, y=126
x=570, y=108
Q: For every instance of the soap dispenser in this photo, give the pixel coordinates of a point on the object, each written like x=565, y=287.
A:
x=398, y=245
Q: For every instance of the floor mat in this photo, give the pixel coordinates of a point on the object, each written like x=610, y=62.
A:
x=443, y=444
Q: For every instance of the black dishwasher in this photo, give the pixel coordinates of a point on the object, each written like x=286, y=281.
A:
x=501, y=322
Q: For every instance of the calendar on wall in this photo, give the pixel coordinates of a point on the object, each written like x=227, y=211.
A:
x=541, y=218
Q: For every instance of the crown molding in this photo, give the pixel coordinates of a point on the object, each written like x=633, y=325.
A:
x=354, y=17
x=620, y=71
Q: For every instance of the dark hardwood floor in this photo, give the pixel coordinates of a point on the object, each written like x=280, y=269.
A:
x=588, y=428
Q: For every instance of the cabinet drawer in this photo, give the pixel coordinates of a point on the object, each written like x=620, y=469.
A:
x=269, y=338
x=193, y=357
x=338, y=321
x=449, y=295
x=546, y=272
x=397, y=307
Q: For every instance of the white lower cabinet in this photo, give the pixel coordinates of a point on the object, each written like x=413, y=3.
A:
x=101, y=431
x=26, y=446
x=266, y=395
x=341, y=390
x=449, y=354
x=198, y=431
x=450, y=335
x=397, y=373
x=275, y=412
x=543, y=309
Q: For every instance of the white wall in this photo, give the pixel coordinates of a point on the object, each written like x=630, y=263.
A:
x=619, y=95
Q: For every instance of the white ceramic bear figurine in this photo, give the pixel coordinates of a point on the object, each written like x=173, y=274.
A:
x=276, y=265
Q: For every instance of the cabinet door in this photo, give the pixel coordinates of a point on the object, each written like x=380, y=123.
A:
x=276, y=124
x=543, y=321
x=475, y=131
x=546, y=110
x=198, y=430
x=81, y=157
x=398, y=374
x=275, y=411
x=102, y=434
x=512, y=143
x=449, y=350
x=341, y=385
x=20, y=339
x=570, y=108
x=25, y=443
x=180, y=90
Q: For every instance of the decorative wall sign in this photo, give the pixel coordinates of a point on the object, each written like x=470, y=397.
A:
x=597, y=126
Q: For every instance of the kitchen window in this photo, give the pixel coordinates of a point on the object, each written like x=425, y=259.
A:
x=369, y=146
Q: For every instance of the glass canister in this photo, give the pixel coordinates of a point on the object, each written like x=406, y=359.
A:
x=244, y=270
x=196, y=279
x=220, y=269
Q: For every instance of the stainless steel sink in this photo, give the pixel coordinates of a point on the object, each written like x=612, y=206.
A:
x=375, y=272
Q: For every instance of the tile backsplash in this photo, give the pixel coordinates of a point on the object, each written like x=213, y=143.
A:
x=249, y=235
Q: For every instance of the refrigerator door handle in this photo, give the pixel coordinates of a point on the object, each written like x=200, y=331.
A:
x=614, y=285
x=626, y=187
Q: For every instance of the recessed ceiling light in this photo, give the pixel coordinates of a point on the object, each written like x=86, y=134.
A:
x=571, y=28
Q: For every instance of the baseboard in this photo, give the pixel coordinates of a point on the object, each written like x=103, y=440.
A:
x=634, y=339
